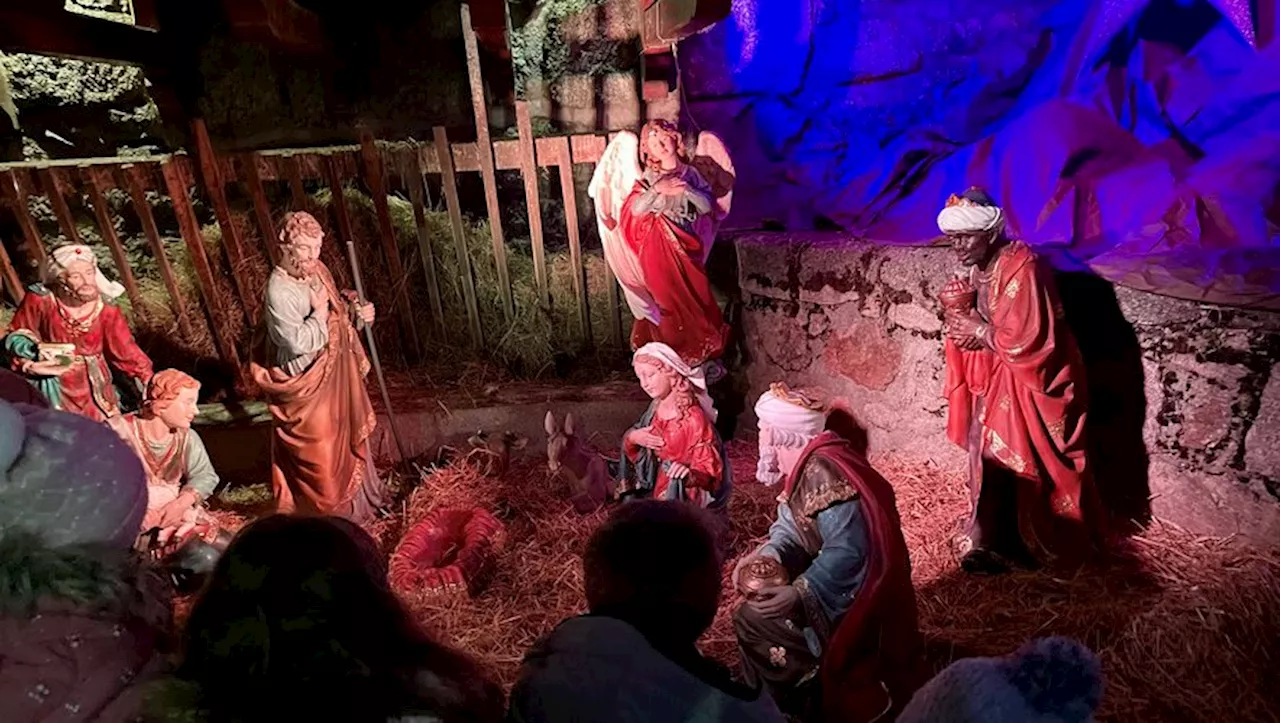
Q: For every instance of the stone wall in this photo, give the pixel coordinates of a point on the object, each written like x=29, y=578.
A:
x=586, y=73
x=77, y=109
x=1184, y=398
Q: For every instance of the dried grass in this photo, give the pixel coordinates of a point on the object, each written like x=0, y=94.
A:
x=1186, y=625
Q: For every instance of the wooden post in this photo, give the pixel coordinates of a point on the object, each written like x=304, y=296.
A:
x=615, y=307
x=529, y=169
x=16, y=193
x=390, y=248
x=11, y=280
x=133, y=177
x=214, y=184
x=569, y=193
x=53, y=184
x=177, y=183
x=97, y=185
x=334, y=177
x=411, y=170
x=484, y=148
x=261, y=208
x=297, y=190
x=444, y=157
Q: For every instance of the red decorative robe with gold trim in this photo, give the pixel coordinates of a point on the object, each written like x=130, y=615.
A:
x=1027, y=392
x=103, y=342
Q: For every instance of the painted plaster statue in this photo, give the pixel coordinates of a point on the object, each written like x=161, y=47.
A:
x=658, y=213
x=313, y=375
x=68, y=337
x=836, y=614
x=180, y=476
x=1015, y=383
x=674, y=452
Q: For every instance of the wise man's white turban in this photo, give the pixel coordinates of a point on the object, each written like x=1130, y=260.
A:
x=63, y=256
x=791, y=411
x=668, y=357
x=964, y=216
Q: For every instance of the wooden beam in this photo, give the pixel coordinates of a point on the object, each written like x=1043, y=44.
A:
x=487, y=172
x=216, y=187
x=261, y=207
x=11, y=280
x=569, y=194
x=16, y=195
x=614, y=295
x=54, y=184
x=450, y=185
x=297, y=190
x=373, y=175
x=137, y=178
x=97, y=183
x=411, y=174
x=587, y=149
x=177, y=183
x=281, y=25
x=529, y=170
x=45, y=28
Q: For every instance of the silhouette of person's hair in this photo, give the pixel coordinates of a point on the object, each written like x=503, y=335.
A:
x=655, y=565
x=298, y=622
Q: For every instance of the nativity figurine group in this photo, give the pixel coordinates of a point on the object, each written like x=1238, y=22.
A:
x=71, y=342
x=827, y=617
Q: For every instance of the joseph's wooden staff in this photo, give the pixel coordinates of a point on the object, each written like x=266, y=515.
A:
x=373, y=351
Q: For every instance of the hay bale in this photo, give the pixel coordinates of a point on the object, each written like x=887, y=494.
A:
x=1186, y=626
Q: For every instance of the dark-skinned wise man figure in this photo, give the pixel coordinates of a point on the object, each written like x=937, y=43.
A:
x=1015, y=385
x=834, y=636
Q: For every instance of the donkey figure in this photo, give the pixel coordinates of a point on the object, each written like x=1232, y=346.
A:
x=587, y=472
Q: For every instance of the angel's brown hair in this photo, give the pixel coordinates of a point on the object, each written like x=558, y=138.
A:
x=660, y=126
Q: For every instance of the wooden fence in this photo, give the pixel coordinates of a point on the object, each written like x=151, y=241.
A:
x=380, y=166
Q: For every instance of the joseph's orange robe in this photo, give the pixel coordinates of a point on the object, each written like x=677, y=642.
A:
x=1028, y=395
x=320, y=457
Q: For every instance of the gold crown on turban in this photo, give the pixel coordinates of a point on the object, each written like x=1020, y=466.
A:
x=955, y=200
x=805, y=399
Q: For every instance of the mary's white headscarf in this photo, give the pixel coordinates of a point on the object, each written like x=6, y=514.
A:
x=63, y=256
x=668, y=357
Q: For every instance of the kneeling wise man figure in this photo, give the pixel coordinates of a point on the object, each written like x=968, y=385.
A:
x=840, y=641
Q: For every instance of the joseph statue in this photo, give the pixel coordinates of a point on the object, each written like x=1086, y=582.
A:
x=321, y=462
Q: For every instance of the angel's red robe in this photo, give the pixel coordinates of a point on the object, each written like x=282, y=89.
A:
x=103, y=342
x=671, y=259
x=1019, y=408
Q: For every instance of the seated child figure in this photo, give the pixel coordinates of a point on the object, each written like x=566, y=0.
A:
x=674, y=451
x=180, y=476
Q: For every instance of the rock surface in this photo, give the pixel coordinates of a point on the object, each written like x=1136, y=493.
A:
x=1184, y=405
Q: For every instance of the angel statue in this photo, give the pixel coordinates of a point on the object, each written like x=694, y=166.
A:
x=658, y=212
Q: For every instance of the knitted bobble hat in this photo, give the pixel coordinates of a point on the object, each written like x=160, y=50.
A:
x=68, y=479
x=1050, y=680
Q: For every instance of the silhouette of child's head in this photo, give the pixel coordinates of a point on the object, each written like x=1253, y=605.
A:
x=655, y=565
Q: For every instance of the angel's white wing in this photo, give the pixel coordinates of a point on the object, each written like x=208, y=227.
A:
x=712, y=160
x=615, y=176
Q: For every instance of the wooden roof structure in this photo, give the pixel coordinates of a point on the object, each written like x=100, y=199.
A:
x=49, y=27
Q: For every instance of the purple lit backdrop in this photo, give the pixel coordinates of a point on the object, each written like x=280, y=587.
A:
x=1138, y=139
